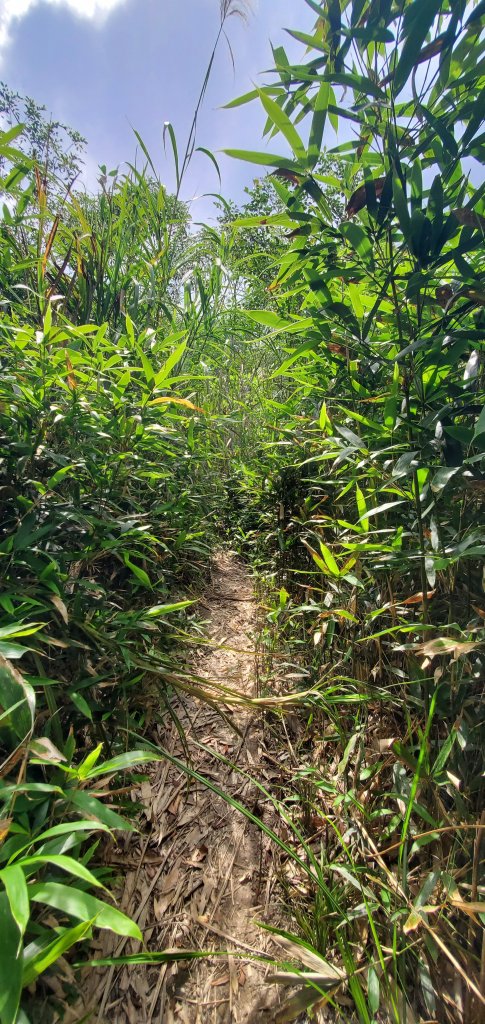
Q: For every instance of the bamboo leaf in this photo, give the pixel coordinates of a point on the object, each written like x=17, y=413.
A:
x=418, y=19
x=10, y=963
x=16, y=888
x=284, y=125
x=362, y=508
x=320, y=108
x=266, y=159
x=37, y=961
x=79, y=904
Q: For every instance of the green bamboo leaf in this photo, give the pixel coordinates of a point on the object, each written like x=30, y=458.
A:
x=382, y=508
x=318, y=561
x=123, y=762
x=305, y=348
x=88, y=804
x=480, y=425
x=145, y=151
x=12, y=652
x=266, y=159
x=172, y=360
x=358, y=238
x=81, y=704
x=440, y=127
x=269, y=319
x=59, y=475
x=168, y=127
x=63, y=828
x=15, y=691
x=20, y=629
x=137, y=571
x=10, y=963
x=211, y=157
x=401, y=208
x=279, y=219
x=361, y=508
x=87, y=908
x=247, y=97
x=324, y=420
x=329, y=559
x=169, y=956
x=373, y=991
x=445, y=752
x=474, y=124
x=68, y=827
x=13, y=879
x=63, y=862
x=36, y=960
x=320, y=108
x=418, y=19
x=89, y=761
x=282, y=122
x=442, y=477
x=312, y=42
x=158, y=610
x=148, y=368
x=12, y=133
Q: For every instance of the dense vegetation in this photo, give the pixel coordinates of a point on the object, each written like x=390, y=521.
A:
x=315, y=366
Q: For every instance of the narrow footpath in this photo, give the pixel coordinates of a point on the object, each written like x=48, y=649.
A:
x=201, y=875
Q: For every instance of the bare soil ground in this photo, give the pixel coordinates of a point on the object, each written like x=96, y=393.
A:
x=201, y=875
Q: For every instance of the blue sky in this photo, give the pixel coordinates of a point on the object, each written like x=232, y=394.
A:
x=139, y=63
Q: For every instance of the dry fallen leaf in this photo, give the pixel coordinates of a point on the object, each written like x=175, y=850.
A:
x=222, y=980
x=163, y=901
x=173, y=808
x=198, y=855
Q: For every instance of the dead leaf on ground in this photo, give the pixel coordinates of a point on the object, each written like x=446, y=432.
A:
x=174, y=807
x=197, y=856
x=165, y=898
x=223, y=980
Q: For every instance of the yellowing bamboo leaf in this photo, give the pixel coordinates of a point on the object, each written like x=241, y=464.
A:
x=418, y=598
x=44, y=750
x=61, y=608
x=470, y=908
x=176, y=401
x=71, y=380
x=446, y=645
x=5, y=824
x=413, y=922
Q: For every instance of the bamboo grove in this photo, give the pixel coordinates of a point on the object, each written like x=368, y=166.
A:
x=305, y=381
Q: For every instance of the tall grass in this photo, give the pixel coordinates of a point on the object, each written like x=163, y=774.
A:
x=361, y=509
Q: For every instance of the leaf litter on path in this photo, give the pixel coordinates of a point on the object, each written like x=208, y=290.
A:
x=203, y=875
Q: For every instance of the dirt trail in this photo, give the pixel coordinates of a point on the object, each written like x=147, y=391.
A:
x=202, y=874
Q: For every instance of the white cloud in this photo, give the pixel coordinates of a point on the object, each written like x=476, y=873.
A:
x=13, y=10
